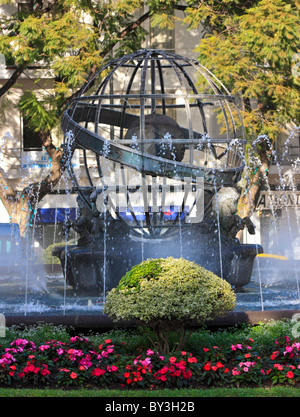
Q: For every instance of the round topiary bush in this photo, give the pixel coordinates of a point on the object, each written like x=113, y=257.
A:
x=168, y=294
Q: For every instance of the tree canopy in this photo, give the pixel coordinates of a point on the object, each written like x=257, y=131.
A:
x=252, y=46
x=253, y=51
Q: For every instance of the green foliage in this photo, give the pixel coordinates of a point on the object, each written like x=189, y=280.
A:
x=41, y=115
x=70, y=40
x=46, y=256
x=170, y=289
x=252, y=50
x=167, y=294
x=146, y=270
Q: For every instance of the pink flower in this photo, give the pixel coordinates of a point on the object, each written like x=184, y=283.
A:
x=44, y=347
x=146, y=362
x=235, y=371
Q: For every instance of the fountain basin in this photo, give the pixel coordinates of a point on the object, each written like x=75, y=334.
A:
x=92, y=271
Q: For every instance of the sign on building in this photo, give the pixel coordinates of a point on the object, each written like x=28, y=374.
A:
x=273, y=200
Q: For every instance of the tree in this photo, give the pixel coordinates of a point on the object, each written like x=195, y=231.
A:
x=252, y=47
x=72, y=39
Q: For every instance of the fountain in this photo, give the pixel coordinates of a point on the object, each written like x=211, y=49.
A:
x=154, y=148
x=162, y=162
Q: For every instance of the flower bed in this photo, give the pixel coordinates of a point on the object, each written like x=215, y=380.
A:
x=79, y=361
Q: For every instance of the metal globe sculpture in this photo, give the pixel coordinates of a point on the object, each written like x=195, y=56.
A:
x=160, y=138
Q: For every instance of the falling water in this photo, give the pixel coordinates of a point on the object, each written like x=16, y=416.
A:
x=65, y=270
x=104, y=256
x=282, y=185
x=219, y=229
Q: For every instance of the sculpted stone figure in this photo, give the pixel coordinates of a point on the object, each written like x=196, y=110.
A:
x=225, y=206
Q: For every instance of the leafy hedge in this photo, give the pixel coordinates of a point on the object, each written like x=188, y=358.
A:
x=168, y=294
x=169, y=289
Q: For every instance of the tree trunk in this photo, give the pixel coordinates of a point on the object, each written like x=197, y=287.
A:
x=21, y=205
x=250, y=194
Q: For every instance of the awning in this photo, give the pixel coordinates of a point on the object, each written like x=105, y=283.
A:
x=56, y=215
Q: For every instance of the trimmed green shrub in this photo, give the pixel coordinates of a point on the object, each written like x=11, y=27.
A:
x=169, y=294
x=46, y=256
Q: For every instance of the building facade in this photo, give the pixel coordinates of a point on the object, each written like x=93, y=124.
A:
x=21, y=155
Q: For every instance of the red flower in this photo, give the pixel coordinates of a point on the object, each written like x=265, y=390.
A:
x=274, y=355
x=45, y=372
x=207, y=366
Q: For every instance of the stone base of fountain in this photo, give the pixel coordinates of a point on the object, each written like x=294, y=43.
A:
x=91, y=270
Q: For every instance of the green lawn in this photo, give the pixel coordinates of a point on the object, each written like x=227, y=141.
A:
x=277, y=391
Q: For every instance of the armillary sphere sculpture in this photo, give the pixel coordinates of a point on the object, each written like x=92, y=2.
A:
x=154, y=146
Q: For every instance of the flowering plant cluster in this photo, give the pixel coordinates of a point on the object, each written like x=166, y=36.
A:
x=109, y=364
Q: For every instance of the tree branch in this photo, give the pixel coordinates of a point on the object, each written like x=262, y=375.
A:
x=105, y=51
x=12, y=80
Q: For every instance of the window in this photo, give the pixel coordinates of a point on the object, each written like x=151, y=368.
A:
x=31, y=139
x=25, y=6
